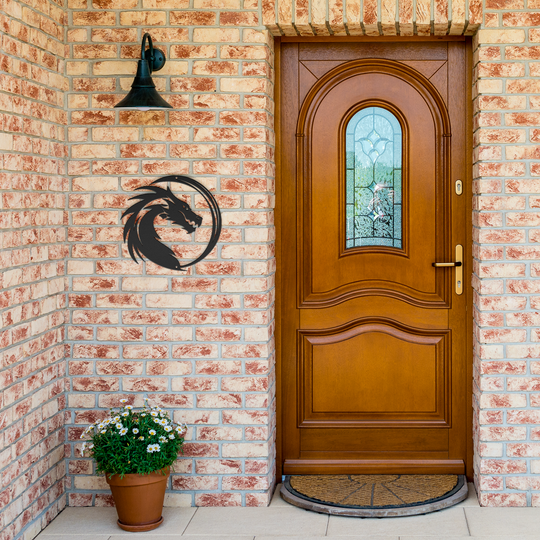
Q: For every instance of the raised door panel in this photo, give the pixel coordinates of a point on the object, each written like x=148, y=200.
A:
x=331, y=271
x=374, y=373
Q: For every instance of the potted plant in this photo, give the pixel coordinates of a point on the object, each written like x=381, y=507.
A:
x=136, y=450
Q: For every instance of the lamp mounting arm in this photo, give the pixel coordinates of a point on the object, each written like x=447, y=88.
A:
x=154, y=57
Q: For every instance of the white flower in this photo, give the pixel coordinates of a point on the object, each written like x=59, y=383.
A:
x=90, y=446
x=141, y=438
x=171, y=436
x=116, y=418
x=144, y=414
x=168, y=428
x=83, y=448
x=103, y=431
x=154, y=413
x=135, y=430
x=108, y=421
x=123, y=431
x=153, y=448
x=125, y=413
x=164, y=422
x=119, y=425
x=162, y=439
x=129, y=407
x=123, y=401
x=82, y=435
x=152, y=432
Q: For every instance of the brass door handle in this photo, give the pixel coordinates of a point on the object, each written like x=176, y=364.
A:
x=438, y=265
x=458, y=265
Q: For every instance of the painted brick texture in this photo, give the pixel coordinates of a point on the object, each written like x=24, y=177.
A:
x=199, y=343
x=33, y=192
x=506, y=254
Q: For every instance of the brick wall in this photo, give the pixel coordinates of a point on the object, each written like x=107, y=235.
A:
x=200, y=342
x=507, y=253
x=32, y=265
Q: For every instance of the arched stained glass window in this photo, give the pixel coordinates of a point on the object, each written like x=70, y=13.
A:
x=374, y=187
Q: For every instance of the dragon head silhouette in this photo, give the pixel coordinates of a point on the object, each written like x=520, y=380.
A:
x=140, y=232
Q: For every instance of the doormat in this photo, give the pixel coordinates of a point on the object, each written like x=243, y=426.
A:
x=375, y=495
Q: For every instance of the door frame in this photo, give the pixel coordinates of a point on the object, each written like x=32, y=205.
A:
x=467, y=192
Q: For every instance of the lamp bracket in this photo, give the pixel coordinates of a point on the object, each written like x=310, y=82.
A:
x=155, y=57
x=159, y=59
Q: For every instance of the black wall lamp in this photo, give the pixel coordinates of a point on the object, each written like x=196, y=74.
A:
x=143, y=94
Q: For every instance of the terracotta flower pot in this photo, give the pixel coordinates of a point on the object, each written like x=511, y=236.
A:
x=139, y=499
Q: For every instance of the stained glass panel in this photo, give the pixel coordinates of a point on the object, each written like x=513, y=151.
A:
x=373, y=178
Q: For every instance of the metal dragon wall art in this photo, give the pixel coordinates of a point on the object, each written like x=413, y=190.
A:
x=140, y=233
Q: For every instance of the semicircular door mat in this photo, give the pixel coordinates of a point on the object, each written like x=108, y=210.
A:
x=375, y=495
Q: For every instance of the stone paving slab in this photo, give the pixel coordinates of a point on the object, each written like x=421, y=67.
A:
x=102, y=521
x=492, y=537
x=449, y=522
x=328, y=538
x=45, y=536
x=157, y=536
x=471, y=500
x=497, y=522
x=257, y=521
x=284, y=522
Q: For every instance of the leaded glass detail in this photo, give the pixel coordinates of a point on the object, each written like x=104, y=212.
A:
x=373, y=178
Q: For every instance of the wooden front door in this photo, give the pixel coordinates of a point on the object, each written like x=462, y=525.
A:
x=374, y=338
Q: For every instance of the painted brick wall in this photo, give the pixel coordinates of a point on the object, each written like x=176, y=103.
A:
x=507, y=253
x=33, y=189
x=200, y=342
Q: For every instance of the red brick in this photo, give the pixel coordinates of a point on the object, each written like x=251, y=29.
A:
x=499, y=466
x=95, y=384
x=218, y=466
x=521, y=19
x=218, y=499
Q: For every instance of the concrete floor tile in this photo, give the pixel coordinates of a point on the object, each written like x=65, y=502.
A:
x=46, y=536
x=155, y=535
x=434, y=538
x=84, y=522
x=326, y=538
x=102, y=521
x=493, y=537
x=449, y=522
x=277, y=500
x=497, y=522
x=278, y=521
x=472, y=498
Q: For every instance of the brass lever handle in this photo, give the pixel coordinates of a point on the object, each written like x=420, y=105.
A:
x=459, y=268
x=438, y=265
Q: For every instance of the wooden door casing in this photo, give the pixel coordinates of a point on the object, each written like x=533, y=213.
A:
x=345, y=407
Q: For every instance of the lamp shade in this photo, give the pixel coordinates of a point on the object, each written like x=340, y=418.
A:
x=143, y=94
